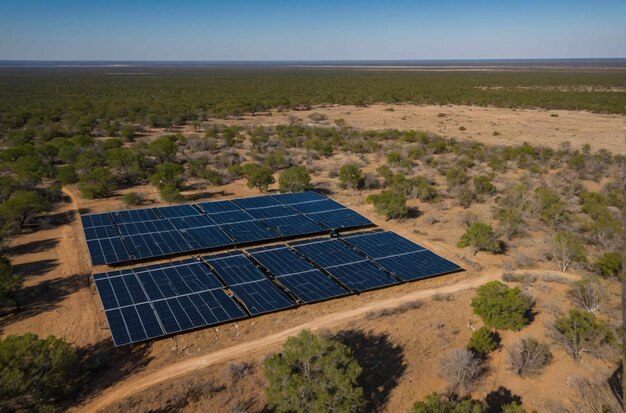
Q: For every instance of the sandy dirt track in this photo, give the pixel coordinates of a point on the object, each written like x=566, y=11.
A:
x=132, y=386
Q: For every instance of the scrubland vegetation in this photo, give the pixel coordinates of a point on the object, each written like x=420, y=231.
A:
x=91, y=132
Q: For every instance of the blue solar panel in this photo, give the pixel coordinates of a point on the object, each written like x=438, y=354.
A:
x=296, y=274
x=177, y=211
x=298, y=197
x=148, y=302
x=351, y=269
x=206, y=238
x=138, y=234
x=217, y=207
x=245, y=232
x=416, y=265
x=134, y=215
x=294, y=225
x=256, y=202
x=271, y=212
x=248, y=283
x=343, y=218
x=230, y=217
x=317, y=206
x=382, y=244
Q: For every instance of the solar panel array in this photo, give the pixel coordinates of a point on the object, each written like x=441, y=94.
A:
x=152, y=301
x=139, y=234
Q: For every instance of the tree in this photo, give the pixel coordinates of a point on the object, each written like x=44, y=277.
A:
x=313, y=374
x=462, y=369
x=510, y=220
x=294, y=179
x=133, y=199
x=435, y=403
x=588, y=293
x=501, y=307
x=164, y=148
x=609, y=264
x=8, y=186
x=528, y=357
x=389, y=203
x=21, y=208
x=10, y=282
x=581, y=332
x=565, y=248
x=126, y=163
x=66, y=175
x=260, y=178
x=34, y=372
x=170, y=193
x=483, y=341
x=96, y=183
x=350, y=176
x=168, y=174
x=479, y=237
x=551, y=208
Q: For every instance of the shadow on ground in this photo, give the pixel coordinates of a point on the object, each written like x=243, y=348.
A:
x=43, y=297
x=501, y=397
x=34, y=247
x=382, y=362
x=103, y=365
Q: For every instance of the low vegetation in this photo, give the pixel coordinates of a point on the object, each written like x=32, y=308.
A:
x=502, y=307
x=528, y=357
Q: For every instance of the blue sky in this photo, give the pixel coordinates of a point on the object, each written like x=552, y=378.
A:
x=309, y=30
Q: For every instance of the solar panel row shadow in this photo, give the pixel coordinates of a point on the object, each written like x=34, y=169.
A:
x=403, y=258
x=139, y=234
x=148, y=302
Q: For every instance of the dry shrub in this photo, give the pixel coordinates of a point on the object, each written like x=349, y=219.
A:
x=588, y=293
x=594, y=396
x=442, y=297
x=238, y=370
x=385, y=312
x=461, y=369
x=528, y=357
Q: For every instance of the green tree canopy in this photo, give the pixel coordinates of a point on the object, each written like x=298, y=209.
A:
x=164, y=148
x=260, y=178
x=389, y=203
x=34, y=372
x=168, y=174
x=435, y=403
x=350, y=176
x=96, y=183
x=501, y=307
x=294, y=179
x=479, y=237
x=313, y=374
x=10, y=282
x=21, y=208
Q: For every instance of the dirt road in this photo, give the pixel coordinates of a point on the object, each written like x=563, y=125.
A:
x=260, y=346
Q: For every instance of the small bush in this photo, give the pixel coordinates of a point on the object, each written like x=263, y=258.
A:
x=479, y=237
x=456, y=177
x=528, y=357
x=133, y=199
x=588, y=293
x=501, y=307
x=294, y=179
x=483, y=341
x=462, y=128
x=436, y=403
x=609, y=264
x=581, y=332
x=260, y=178
x=389, y=203
x=483, y=185
x=350, y=176
x=461, y=369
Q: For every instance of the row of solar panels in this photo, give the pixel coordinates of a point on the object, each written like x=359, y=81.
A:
x=138, y=234
x=153, y=301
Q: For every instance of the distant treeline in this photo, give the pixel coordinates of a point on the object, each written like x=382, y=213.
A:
x=67, y=102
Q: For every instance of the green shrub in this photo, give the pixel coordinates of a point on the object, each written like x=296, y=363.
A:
x=170, y=193
x=260, y=178
x=294, y=179
x=132, y=199
x=169, y=175
x=501, y=307
x=581, y=332
x=510, y=220
x=483, y=341
x=96, y=183
x=483, y=185
x=609, y=264
x=479, y=237
x=66, y=175
x=456, y=177
x=389, y=203
x=350, y=176
x=435, y=403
